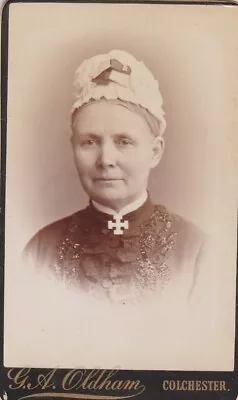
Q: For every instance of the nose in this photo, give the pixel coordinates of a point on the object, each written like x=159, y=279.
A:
x=107, y=155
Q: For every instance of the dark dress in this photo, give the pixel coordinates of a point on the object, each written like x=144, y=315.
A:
x=158, y=247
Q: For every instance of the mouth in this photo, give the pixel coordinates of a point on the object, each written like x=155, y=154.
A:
x=107, y=179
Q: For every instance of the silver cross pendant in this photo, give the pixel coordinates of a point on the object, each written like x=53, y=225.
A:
x=118, y=225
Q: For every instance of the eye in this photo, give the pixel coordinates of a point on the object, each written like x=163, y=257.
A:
x=87, y=142
x=123, y=141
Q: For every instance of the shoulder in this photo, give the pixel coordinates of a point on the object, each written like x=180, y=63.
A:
x=187, y=230
x=44, y=243
x=58, y=227
x=190, y=239
x=181, y=225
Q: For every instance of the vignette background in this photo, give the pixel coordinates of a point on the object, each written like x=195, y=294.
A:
x=192, y=51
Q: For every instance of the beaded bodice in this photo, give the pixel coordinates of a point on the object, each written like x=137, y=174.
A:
x=91, y=256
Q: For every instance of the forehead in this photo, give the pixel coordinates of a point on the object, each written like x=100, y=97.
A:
x=107, y=118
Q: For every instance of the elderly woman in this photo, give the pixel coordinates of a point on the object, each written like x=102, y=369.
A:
x=122, y=246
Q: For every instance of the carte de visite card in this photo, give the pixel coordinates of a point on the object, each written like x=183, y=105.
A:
x=119, y=200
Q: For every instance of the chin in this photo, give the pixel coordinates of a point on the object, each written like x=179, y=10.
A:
x=109, y=198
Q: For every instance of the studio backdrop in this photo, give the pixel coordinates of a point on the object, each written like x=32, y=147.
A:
x=193, y=53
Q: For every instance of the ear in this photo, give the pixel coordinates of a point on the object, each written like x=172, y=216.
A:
x=72, y=139
x=157, y=150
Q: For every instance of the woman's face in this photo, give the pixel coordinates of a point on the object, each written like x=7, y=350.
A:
x=114, y=151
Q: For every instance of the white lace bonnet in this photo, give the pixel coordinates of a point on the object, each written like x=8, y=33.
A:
x=118, y=75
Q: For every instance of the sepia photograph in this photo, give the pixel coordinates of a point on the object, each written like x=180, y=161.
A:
x=121, y=192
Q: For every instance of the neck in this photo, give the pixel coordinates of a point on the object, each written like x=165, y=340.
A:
x=132, y=206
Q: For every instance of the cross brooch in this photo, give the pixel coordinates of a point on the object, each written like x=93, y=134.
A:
x=117, y=225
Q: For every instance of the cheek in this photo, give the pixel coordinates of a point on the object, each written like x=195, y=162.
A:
x=84, y=160
x=138, y=170
x=138, y=162
x=142, y=159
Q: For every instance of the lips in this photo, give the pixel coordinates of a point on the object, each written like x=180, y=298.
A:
x=107, y=179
